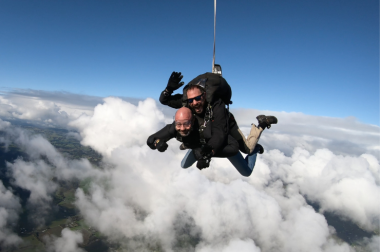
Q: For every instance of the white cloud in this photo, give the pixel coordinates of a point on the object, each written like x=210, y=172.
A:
x=344, y=136
x=35, y=177
x=45, y=112
x=372, y=244
x=9, y=209
x=223, y=206
x=118, y=123
x=4, y=124
x=36, y=173
x=68, y=242
x=143, y=198
x=49, y=109
x=343, y=184
x=232, y=246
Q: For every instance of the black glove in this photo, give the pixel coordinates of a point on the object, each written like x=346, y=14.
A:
x=206, y=150
x=150, y=142
x=203, y=152
x=174, y=82
x=203, y=163
x=161, y=146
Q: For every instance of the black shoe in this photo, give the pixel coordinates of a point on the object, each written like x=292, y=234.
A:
x=261, y=148
x=266, y=121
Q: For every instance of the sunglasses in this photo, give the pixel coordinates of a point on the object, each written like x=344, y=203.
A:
x=197, y=98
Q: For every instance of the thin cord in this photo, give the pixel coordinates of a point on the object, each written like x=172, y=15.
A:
x=213, y=59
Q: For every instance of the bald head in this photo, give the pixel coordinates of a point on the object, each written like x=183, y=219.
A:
x=183, y=121
x=183, y=114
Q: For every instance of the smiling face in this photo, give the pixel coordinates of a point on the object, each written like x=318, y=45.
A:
x=183, y=121
x=196, y=99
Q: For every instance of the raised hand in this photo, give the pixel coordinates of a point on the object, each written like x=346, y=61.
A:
x=174, y=82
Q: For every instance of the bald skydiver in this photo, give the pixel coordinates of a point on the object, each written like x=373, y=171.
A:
x=185, y=129
x=194, y=96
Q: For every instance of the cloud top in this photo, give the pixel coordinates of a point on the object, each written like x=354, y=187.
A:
x=143, y=200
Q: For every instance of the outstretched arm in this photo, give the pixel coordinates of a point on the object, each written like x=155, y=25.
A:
x=158, y=140
x=173, y=101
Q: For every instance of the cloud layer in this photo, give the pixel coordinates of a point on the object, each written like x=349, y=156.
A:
x=142, y=199
x=9, y=209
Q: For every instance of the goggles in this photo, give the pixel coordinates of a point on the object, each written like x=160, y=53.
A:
x=184, y=124
x=197, y=98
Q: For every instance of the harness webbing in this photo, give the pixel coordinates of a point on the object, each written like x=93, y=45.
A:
x=208, y=117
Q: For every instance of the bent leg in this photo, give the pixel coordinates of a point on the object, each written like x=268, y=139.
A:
x=246, y=145
x=241, y=165
x=245, y=165
x=251, y=158
x=231, y=149
x=188, y=160
x=253, y=137
x=240, y=138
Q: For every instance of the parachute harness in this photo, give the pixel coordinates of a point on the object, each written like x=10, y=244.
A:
x=208, y=117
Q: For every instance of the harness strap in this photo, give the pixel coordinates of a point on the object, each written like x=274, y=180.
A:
x=208, y=117
x=201, y=134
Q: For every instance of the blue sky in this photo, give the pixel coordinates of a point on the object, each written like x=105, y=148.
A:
x=315, y=57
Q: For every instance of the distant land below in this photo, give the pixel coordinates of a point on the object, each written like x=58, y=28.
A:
x=64, y=214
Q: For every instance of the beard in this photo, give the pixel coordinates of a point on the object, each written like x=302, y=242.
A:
x=198, y=109
x=184, y=133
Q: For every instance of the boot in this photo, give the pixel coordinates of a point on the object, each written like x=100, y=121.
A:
x=266, y=121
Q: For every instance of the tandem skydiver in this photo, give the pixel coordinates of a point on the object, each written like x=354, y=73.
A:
x=185, y=129
x=194, y=97
x=207, y=107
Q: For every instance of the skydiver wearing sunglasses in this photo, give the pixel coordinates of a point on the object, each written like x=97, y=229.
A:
x=222, y=123
x=196, y=101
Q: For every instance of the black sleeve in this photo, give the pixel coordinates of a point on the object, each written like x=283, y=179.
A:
x=229, y=150
x=174, y=101
x=219, y=131
x=165, y=134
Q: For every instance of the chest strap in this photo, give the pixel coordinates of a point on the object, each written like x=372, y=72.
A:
x=208, y=117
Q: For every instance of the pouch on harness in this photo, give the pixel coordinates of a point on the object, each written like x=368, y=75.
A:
x=215, y=86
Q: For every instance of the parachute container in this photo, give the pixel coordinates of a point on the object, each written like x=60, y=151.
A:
x=217, y=69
